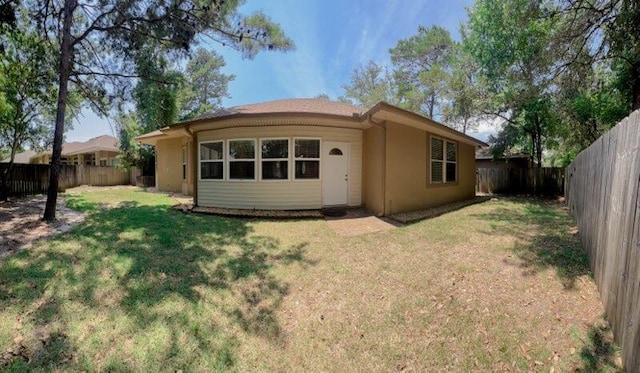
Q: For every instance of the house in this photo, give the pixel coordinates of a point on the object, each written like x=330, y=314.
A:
x=301, y=154
x=98, y=151
x=484, y=159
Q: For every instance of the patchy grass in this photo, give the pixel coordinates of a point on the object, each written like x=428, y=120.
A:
x=140, y=287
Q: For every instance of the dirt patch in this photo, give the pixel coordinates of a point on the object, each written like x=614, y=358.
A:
x=356, y=222
x=21, y=222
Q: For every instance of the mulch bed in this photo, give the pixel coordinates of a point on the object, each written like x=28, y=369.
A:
x=269, y=214
x=413, y=216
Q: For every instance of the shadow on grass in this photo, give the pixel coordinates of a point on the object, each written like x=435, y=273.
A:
x=599, y=353
x=191, y=277
x=544, y=238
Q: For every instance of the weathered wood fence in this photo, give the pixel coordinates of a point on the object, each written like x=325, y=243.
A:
x=29, y=179
x=602, y=194
x=545, y=181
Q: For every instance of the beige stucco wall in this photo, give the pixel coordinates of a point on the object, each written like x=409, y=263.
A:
x=169, y=165
x=291, y=194
x=373, y=164
x=407, y=186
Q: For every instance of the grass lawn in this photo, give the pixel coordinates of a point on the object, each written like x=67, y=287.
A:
x=499, y=286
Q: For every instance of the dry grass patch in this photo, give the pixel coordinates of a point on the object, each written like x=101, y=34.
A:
x=500, y=286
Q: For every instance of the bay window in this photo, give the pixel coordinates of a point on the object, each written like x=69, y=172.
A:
x=242, y=159
x=212, y=160
x=274, y=159
x=307, y=158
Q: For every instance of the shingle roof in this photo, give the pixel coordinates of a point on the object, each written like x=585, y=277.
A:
x=295, y=105
x=104, y=142
x=22, y=157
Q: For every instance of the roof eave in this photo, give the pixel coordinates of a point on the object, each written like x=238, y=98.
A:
x=384, y=111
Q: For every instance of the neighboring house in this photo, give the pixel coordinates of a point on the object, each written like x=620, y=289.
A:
x=98, y=151
x=313, y=153
x=484, y=159
x=22, y=157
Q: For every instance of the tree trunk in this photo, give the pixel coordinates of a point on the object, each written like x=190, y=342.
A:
x=432, y=100
x=66, y=50
x=635, y=89
x=537, y=132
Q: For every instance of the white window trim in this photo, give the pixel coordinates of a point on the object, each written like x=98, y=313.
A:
x=255, y=161
x=106, y=162
x=443, y=160
x=294, y=159
x=211, y=161
x=288, y=159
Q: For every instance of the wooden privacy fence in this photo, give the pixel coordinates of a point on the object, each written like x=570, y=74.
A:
x=29, y=179
x=602, y=194
x=101, y=175
x=546, y=181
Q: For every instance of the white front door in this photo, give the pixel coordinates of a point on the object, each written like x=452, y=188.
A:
x=335, y=173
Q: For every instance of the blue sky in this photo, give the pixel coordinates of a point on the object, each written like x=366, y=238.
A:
x=332, y=38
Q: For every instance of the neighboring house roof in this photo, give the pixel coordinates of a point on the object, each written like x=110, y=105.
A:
x=23, y=157
x=485, y=153
x=354, y=116
x=100, y=143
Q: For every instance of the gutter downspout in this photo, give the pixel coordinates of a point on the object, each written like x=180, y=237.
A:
x=193, y=160
x=384, y=157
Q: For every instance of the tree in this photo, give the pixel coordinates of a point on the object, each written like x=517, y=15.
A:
x=369, y=85
x=421, y=68
x=27, y=96
x=156, y=92
x=98, y=42
x=205, y=85
x=511, y=44
x=164, y=95
x=603, y=29
x=589, y=102
x=463, y=98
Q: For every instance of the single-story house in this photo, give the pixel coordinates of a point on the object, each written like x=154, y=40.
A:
x=485, y=159
x=98, y=151
x=301, y=154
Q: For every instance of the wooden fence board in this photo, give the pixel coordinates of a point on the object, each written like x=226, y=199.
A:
x=548, y=181
x=30, y=179
x=603, y=194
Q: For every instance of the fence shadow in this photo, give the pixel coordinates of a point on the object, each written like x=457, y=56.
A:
x=545, y=238
x=141, y=270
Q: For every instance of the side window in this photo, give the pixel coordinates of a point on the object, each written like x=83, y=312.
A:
x=444, y=161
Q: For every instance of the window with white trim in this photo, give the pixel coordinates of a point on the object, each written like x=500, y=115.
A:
x=443, y=165
x=212, y=160
x=307, y=158
x=242, y=159
x=274, y=159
